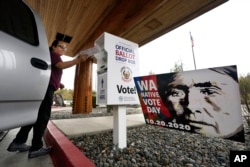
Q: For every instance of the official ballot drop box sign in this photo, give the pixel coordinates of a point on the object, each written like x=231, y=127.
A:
x=117, y=64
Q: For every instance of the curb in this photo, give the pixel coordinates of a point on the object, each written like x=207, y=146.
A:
x=64, y=152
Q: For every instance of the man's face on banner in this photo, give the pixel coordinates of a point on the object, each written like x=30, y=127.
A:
x=211, y=98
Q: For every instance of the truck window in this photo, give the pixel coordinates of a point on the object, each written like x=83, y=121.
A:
x=17, y=20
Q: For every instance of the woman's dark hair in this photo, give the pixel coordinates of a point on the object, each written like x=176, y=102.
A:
x=54, y=43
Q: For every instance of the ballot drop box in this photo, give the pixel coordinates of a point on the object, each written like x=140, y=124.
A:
x=117, y=64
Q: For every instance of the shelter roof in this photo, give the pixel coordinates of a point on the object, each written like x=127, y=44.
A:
x=140, y=21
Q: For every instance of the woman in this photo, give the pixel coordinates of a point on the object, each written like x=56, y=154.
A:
x=57, y=49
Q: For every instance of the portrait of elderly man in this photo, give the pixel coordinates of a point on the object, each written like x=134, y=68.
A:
x=208, y=100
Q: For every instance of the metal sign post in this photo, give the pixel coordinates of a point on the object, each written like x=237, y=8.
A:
x=120, y=126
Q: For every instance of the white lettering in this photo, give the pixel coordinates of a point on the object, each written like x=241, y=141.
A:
x=152, y=102
x=153, y=109
x=150, y=94
x=147, y=85
x=240, y=158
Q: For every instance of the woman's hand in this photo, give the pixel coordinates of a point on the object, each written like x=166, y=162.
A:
x=61, y=86
x=82, y=58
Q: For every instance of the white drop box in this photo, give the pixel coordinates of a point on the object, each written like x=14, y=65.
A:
x=117, y=64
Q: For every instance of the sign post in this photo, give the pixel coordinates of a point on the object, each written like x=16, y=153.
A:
x=120, y=128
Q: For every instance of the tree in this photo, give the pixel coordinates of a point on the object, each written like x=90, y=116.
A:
x=151, y=72
x=244, y=84
x=67, y=94
x=93, y=99
x=177, y=68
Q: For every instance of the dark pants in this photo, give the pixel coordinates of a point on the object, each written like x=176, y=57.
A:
x=40, y=125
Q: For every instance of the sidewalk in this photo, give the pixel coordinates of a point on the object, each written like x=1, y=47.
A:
x=64, y=153
x=20, y=159
x=80, y=126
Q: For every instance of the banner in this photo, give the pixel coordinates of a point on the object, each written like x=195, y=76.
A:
x=205, y=101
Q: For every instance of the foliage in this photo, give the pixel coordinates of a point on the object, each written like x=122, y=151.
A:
x=67, y=94
x=94, y=99
x=151, y=72
x=244, y=84
x=177, y=68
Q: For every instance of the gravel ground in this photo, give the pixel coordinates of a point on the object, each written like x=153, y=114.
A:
x=152, y=146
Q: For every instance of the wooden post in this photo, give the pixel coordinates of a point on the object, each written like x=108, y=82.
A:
x=82, y=98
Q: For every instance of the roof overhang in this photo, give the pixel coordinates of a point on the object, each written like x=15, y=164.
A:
x=140, y=21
